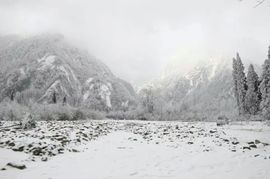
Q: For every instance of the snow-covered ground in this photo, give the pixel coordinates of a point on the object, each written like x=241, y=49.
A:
x=133, y=149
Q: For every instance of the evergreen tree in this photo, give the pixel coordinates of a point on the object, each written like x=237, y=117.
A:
x=265, y=86
x=235, y=74
x=252, y=100
x=241, y=85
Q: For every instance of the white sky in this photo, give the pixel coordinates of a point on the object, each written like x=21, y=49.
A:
x=139, y=39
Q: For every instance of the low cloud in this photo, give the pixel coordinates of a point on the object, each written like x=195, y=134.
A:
x=138, y=39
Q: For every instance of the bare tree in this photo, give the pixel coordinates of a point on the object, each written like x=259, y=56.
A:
x=258, y=2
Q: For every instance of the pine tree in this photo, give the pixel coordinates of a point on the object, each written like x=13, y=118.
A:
x=241, y=85
x=265, y=87
x=235, y=74
x=252, y=100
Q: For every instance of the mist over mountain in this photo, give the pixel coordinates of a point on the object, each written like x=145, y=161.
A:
x=34, y=68
x=205, y=91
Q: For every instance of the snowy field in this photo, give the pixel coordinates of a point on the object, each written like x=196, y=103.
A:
x=133, y=149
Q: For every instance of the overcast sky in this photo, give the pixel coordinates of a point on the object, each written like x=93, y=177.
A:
x=140, y=39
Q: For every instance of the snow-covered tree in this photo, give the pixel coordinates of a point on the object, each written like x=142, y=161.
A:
x=252, y=100
x=265, y=86
x=235, y=76
x=240, y=84
x=147, y=99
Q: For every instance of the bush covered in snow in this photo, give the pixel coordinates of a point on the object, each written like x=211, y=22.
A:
x=14, y=111
x=28, y=122
x=51, y=112
x=63, y=113
x=123, y=115
x=137, y=114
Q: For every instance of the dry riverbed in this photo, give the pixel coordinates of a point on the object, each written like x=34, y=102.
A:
x=135, y=149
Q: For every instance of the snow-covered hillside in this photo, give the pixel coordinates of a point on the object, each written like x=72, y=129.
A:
x=39, y=66
x=207, y=88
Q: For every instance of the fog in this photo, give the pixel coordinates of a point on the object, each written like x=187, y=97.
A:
x=141, y=39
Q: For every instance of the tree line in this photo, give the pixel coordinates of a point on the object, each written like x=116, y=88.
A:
x=252, y=92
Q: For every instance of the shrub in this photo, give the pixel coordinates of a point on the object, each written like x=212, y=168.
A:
x=96, y=115
x=28, y=122
x=63, y=117
x=48, y=112
x=78, y=114
x=63, y=113
x=12, y=111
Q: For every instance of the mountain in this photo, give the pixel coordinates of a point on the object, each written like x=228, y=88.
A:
x=34, y=69
x=205, y=91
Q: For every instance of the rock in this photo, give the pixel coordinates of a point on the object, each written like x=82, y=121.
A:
x=19, y=149
x=257, y=155
x=246, y=148
x=235, y=142
x=253, y=146
x=251, y=143
x=74, y=150
x=212, y=132
x=3, y=169
x=44, y=159
x=37, y=151
x=257, y=141
x=60, y=150
x=146, y=133
x=190, y=143
x=226, y=140
x=50, y=153
x=18, y=166
x=11, y=144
